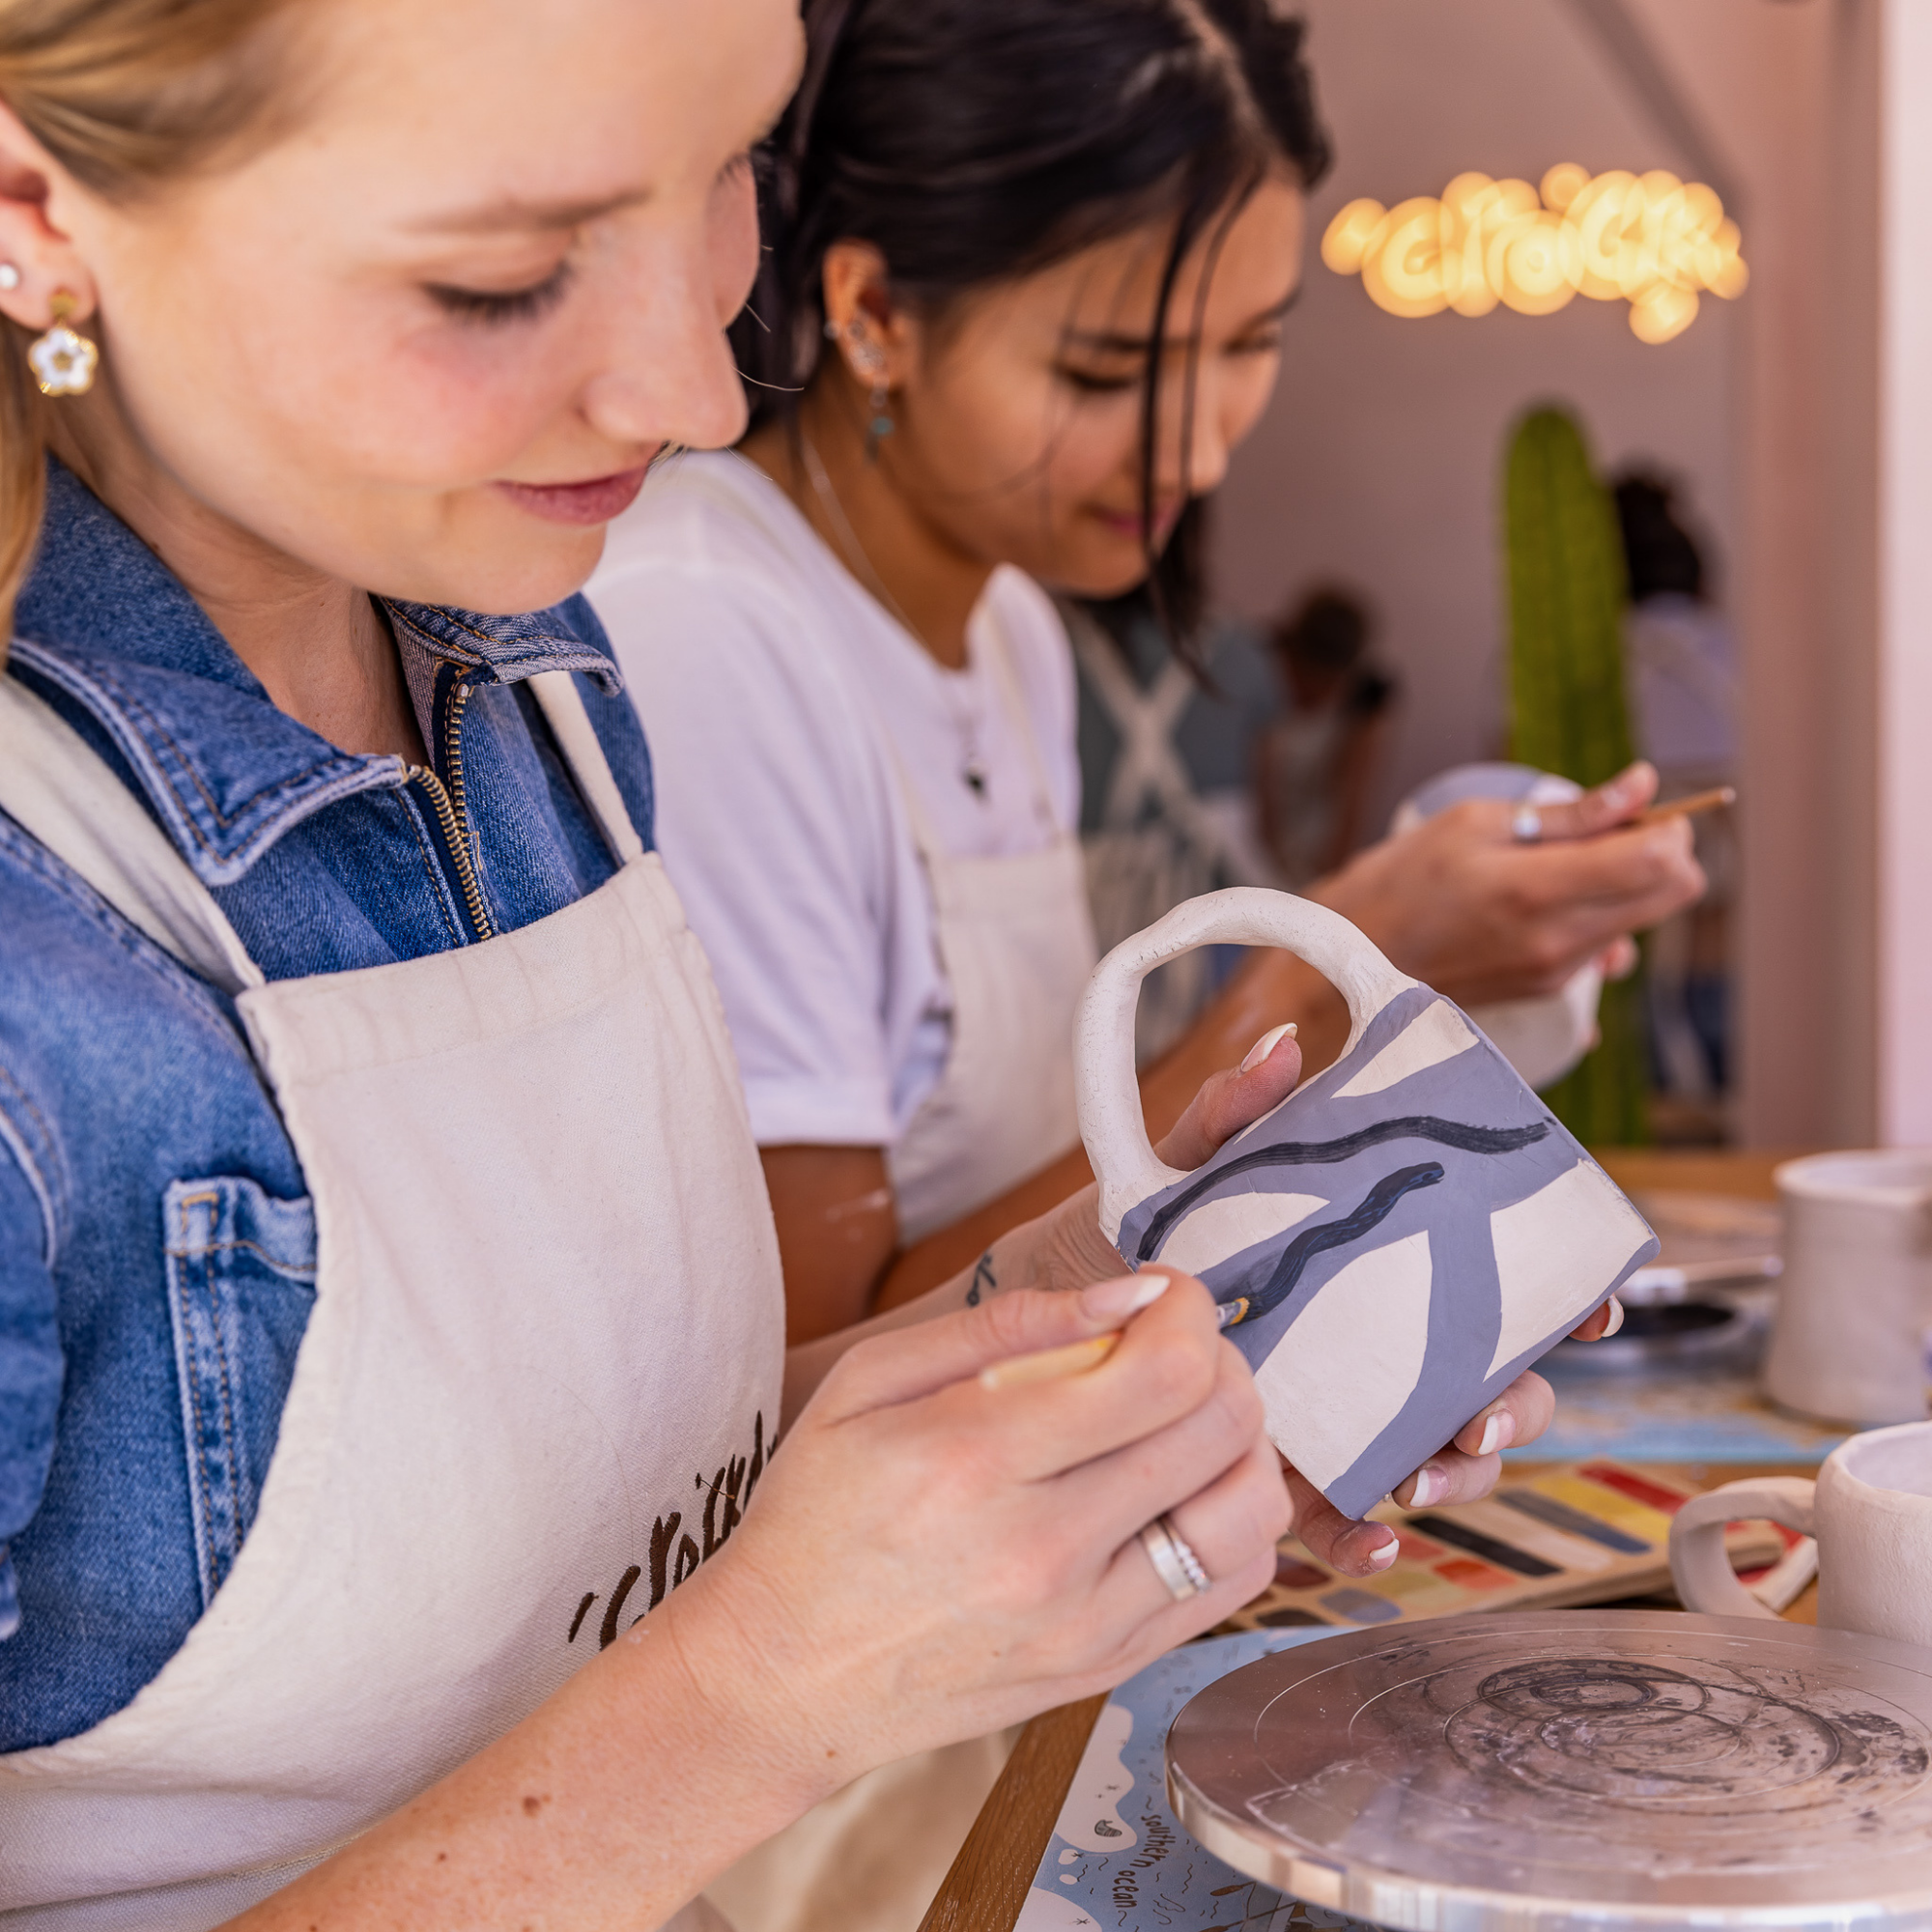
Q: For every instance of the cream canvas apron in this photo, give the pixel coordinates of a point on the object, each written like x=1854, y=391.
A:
x=539, y=1384
x=1016, y=942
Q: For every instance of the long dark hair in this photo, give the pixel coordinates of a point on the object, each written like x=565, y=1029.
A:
x=976, y=141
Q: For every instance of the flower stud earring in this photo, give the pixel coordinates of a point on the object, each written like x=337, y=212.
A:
x=63, y=361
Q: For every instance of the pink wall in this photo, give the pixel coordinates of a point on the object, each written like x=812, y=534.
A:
x=1379, y=459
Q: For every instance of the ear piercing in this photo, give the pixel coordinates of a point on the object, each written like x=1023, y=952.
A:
x=869, y=361
x=10, y=275
x=63, y=361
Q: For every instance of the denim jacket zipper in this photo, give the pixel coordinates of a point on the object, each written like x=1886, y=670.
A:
x=452, y=817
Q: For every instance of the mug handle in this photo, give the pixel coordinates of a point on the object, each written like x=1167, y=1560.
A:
x=1111, y=1121
x=1699, y=1565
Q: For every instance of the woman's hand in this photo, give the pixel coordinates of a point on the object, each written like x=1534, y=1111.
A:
x=1072, y=1249
x=929, y=1558
x=1462, y=905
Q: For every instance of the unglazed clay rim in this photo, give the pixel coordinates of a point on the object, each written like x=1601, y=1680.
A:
x=1862, y=1490
x=1808, y=1178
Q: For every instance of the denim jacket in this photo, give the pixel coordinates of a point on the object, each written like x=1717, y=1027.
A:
x=157, y=1250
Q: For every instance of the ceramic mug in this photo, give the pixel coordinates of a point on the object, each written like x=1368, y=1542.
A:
x=1544, y=1036
x=1390, y=1246
x=1871, y=1512
x=1847, y=1342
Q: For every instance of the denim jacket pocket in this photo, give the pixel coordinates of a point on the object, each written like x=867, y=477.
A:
x=241, y=1267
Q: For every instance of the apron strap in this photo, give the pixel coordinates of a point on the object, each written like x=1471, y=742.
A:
x=66, y=795
x=56, y=786
x=1005, y=681
x=557, y=692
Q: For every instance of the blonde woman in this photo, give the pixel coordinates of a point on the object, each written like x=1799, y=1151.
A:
x=390, y=1309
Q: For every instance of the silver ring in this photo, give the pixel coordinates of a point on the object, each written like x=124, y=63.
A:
x=1525, y=824
x=1173, y=1561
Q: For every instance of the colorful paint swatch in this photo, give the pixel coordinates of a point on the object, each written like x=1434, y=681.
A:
x=1466, y=1573
x=1295, y=1573
x=1560, y=1516
x=1576, y=1534
x=1491, y=1549
x=1639, y=1489
x=1360, y=1607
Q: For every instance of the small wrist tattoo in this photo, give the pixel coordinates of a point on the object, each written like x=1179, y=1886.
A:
x=982, y=1281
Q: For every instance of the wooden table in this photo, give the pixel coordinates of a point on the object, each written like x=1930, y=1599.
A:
x=988, y=1882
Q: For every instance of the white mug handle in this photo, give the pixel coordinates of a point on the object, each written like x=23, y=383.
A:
x=1699, y=1565
x=1111, y=1121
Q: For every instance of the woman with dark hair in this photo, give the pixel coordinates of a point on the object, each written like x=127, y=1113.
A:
x=1028, y=263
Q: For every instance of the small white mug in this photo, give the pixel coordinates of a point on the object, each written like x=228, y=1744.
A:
x=1871, y=1512
x=1847, y=1342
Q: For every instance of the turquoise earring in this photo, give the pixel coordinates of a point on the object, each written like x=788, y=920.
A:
x=869, y=361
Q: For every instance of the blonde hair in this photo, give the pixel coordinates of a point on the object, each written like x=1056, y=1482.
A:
x=126, y=95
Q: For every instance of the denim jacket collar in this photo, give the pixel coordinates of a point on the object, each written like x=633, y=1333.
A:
x=105, y=624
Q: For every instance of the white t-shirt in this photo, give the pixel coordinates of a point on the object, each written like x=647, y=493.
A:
x=786, y=711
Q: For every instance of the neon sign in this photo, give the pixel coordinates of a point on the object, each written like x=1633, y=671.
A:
x=1651, y=240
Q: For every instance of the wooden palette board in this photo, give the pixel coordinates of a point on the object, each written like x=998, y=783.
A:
x=1590, y=1532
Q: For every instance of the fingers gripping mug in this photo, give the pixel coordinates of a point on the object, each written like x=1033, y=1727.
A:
x=1871, y=1512
x=1390, y=1246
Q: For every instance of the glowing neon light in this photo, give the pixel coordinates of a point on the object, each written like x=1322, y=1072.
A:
x=1652, y=240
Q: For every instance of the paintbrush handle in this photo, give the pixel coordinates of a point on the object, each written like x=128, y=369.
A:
x=1049, y=1364
x=1689, y=806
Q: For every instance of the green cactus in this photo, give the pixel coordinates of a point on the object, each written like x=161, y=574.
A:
x=1566, y=594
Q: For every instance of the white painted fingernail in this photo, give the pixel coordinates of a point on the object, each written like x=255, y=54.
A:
x=1266, y=1045
x=1125, y=1296
x=1493, y=1435
x=1380, y=1559
x=1617, y=1319
x=1432, y=1485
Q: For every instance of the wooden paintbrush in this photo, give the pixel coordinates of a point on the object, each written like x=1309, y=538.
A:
x=1048, y=1365
x=1689, y=806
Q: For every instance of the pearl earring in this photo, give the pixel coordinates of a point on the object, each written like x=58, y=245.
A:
x=10, y=275
x=63, y=361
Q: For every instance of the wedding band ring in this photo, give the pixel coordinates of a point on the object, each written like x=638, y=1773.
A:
x=1173, y=1561
x=1525, y=825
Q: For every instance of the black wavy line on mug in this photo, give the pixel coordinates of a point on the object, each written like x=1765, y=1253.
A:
x=1308, y=1153
x=1375, y=1206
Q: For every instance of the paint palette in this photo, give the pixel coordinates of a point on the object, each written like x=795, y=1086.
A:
x=1586, y=1533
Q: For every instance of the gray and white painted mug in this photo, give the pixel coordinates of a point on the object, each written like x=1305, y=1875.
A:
x=1391, y=1246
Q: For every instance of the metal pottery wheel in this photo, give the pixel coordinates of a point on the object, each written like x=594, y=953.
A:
x=1575, y=1771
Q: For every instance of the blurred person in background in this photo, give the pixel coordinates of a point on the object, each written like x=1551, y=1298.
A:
x=1317, y=756
x=1680, y=659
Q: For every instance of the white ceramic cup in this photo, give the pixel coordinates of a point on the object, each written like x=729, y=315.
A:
x=1871, y=1512
x=1847, y=1342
